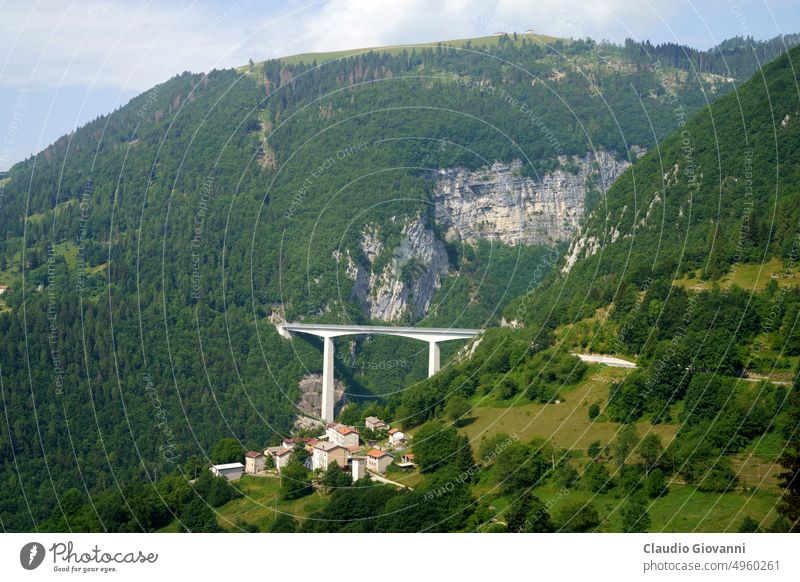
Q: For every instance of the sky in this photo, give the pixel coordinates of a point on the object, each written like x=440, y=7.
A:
x=64, y=63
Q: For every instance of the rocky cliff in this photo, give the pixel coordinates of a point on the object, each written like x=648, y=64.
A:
x=500, y=203
x=410, y=274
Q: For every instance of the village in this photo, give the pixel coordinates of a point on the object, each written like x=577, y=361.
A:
x=341, y=444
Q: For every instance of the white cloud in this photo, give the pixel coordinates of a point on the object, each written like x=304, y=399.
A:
x=135, y=43
x=111, y=43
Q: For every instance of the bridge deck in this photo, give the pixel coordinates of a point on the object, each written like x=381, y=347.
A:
x=323, y=328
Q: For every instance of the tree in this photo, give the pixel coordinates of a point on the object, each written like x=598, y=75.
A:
x=749, y=525
x=594, y=411
x=634, y=516
x=350, y=414
x=538, y=520
x=565, y=475
x=789, y=506
x=284, y=523
x=220, y=492
x=520, y=466
x=435, y=446
x=295, y=481
x=626, y=442
x=517, y=513
x=594, y=449
x=198, y=517
x=576, y=517
x=597, y=478
x=650, y=449
x=227, y=450
x=335, y=477
x=457, y=406
x=656, y=484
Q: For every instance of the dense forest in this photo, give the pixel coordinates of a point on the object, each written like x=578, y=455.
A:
x=149, y=252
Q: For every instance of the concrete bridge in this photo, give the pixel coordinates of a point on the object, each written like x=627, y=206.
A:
x=432, y=335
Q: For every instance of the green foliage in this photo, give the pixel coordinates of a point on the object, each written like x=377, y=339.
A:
x=197, y=517
x=749, y=525
x=284, y=523
x=227, y=451
x=355, y=509
x=656, y=484
x=521, y=466
x=626, y=442
x=335, y=477
x=457, y=407
x=650, y=450
x=437, y=446
x=295, y=480
x=576, y=517
x=789, y=507
x=634, y=516
x=597, y=477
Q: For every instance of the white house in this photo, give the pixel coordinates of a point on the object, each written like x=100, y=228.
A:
x=342, y=435
x=396, y=437
x=254, y=462
x=375, y=423
x=377, y=461
x=358, y=466
x=280, y=456
x=325, y=453
x=231, y=471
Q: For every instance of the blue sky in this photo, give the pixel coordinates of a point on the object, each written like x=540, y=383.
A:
x=64, y=63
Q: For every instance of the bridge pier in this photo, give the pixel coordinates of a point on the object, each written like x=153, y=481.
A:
x=328, y=384
x=433, y=358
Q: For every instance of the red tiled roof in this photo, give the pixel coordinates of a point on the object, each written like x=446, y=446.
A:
x=253, y=454
x=393, y=430
x=342, y=429
x=297, y=440
x=376, y=454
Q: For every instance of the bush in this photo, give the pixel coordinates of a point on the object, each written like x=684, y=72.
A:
x=656, y=484
x=576, y=517
x=635, y=517
x=597, y=478
x=594, y=411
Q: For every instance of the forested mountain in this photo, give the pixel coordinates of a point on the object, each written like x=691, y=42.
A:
x=150, y=252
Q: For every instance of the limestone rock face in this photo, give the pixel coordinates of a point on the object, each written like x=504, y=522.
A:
x=311, y=395
x=406, y=284
x=502, y=204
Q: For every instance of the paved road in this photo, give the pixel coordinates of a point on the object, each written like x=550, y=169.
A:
x=607, y=360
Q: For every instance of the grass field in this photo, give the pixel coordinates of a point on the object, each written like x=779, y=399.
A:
x=683, y=509
x=566, y=424
x=480, y=42
x=750, y=276
x=260, y=503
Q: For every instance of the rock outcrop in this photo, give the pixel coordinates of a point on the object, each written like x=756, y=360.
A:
x=500, y=203
x=406, y=284
x=311, y=395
